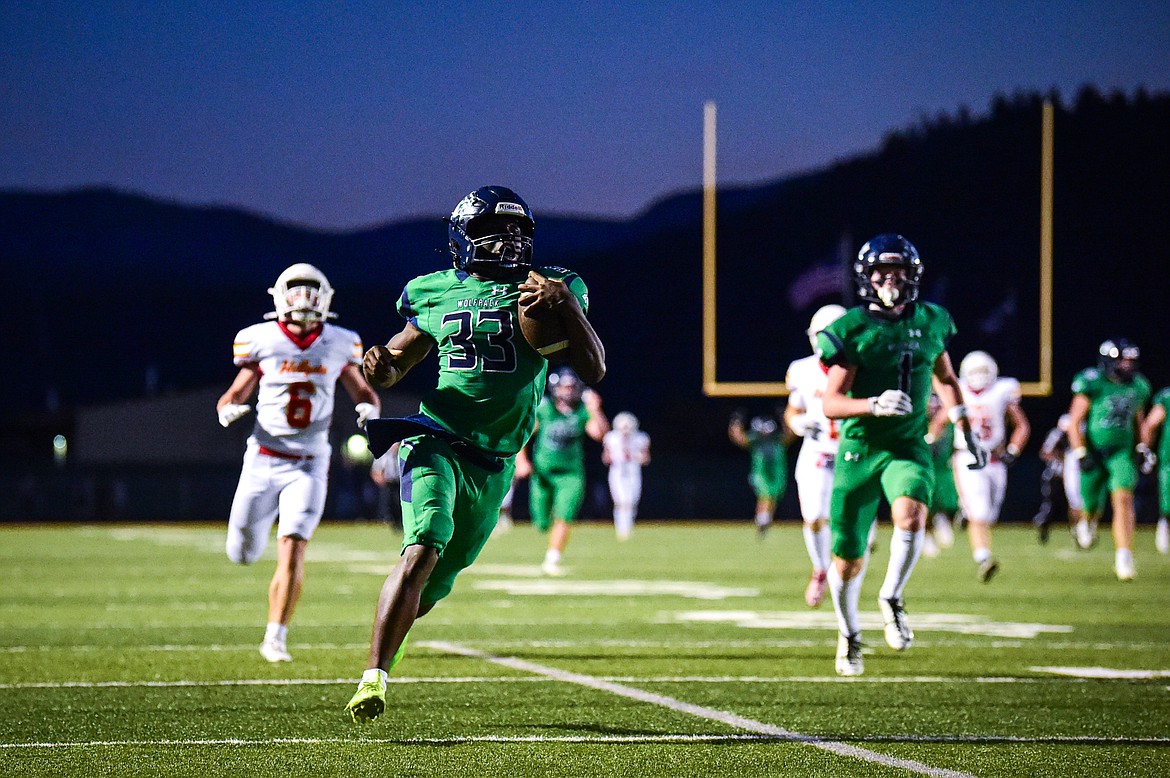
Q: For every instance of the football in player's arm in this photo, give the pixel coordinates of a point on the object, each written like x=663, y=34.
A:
x=457, y=455
x=884, y=358
x=293, y=365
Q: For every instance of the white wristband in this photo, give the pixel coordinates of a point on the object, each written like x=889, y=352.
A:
x=956, y=413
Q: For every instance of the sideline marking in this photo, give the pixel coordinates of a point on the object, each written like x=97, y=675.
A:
x=711, y=714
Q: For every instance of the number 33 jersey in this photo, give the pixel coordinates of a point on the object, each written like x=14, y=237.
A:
x=298, y=379
x=490, y=379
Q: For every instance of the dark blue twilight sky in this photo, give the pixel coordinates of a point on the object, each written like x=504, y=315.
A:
x=341, y=115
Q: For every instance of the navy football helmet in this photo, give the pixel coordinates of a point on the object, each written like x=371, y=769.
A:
x=490, y=229
x=1119, y=359
x=888, y=249
x=565, y=385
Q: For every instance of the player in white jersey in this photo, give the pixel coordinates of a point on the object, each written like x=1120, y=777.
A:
x=805, y=416
x=626, y=449
x=992, y=404
x=293, y=364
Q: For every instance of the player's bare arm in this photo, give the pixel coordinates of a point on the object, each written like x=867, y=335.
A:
x=1078, y=411
x=586, y=352
x=1021, y=429
x=230, y=406
x=837, y=403
x=242, y=387
x=367, y=404
x=1153, y=421
x=598, y=423
x=385, y=366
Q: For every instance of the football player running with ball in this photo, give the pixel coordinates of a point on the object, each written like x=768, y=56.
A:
x=294, y=364
x=1110, y=401
x=884, y=356
x=458, y=453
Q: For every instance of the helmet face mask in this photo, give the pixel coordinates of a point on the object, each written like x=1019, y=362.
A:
x=978, y=370
x=1119, y=359
x=899, y=266
x=301, y=295
x=565, y=386
x=490, y=231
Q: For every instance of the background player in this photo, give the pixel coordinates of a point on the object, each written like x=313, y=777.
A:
x=944, y=506
x=883, y=357
x=458, y=453
x=556, y=469
x=626, y=450
x=993, y=403
x=1109, y=406
x=1150, y=428
x=295, y=362
x=764, y=440
x=806, y=379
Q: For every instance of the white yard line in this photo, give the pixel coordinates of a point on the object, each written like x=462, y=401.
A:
x=709, y=679
x=828, y=640
x=711, y=714
x=665, y=738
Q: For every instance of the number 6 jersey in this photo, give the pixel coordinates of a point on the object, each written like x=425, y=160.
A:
x=298, y=378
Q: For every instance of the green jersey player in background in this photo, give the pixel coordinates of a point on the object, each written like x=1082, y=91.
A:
x=884, y=358
x=1109, y=401
x=765, y=441
x=457, y=454
x=556, y=491
x=1153, y=423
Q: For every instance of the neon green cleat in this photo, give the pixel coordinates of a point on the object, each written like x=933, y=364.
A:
x=369, y=701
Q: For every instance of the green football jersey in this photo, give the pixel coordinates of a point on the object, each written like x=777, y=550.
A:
x=1114, y=407
x=888, y=354
x=767, y=452
x=1163, y=398
x=490, y=379
x=560, y=438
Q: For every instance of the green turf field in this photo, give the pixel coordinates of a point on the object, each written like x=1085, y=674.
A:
x=688, y=650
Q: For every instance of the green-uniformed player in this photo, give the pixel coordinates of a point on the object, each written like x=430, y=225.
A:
x=457, y=454
x=764, y=440
x=944, y=507
x=557, y=465
x=1154, y=420
x=884, y=357
x=1110, y=401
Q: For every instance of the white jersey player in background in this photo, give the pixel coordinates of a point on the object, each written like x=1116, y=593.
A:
x=625, y=449
x=295, y=363
x=992, y=404
x=806, y=380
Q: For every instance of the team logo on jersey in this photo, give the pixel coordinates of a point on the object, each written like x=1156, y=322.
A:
x=303, y=366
